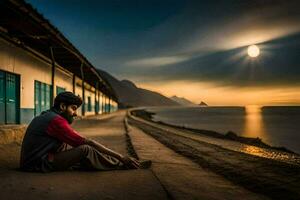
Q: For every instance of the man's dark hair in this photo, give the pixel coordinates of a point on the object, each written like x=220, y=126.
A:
x=67, y=98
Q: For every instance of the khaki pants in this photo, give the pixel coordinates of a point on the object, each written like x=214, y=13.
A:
x=85, y=157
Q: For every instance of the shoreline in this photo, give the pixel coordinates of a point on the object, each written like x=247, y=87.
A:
x=230, y=135
x=276, y=179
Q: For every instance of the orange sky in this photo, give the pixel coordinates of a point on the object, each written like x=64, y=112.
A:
x=219, y=95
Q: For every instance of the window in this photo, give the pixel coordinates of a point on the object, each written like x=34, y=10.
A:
x=59, y=90
x=42, y=97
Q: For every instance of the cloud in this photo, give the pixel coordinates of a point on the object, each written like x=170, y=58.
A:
x=180, y=39
x=156, y=61
x=276, y=65
x=252, y=26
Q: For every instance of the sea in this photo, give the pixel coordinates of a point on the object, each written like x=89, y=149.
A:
x=275, y=125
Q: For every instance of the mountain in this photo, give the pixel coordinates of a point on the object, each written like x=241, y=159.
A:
x=183, y=101
x=129, y=95
x=203, y=104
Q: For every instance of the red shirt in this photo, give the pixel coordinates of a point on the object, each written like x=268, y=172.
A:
x=60, y=129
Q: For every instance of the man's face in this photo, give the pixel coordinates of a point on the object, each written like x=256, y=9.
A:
x=68, y=112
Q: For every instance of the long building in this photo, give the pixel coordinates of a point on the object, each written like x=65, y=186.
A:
x=37, y=62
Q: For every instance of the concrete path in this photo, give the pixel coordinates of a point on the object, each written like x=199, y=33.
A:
x=107, y=129
x=125, y=184
x=172, y=176
x=182, y=178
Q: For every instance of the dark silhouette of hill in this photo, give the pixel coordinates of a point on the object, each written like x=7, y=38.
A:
x=129, y=95
x=183, y=101
x=203, y=104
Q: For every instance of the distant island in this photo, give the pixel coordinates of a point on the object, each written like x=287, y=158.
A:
x=203, y=104
x=183, y=101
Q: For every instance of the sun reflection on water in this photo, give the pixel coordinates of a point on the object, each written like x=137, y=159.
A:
x=254, y=127
x=253, y=122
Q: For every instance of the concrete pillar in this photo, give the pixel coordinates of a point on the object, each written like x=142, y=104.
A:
x=83, y=89
x=73, y=84
x=53, y=93
x=99, y=103
x=109, y=104
x=96, y=102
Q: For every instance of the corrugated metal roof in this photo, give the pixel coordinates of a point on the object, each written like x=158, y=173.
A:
x=23, y=25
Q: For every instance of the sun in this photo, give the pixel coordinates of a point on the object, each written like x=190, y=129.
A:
x=253, y=51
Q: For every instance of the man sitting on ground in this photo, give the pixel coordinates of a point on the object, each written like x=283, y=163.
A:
x=44, y=143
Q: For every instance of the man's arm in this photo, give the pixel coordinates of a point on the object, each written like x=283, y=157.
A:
x=101, y=148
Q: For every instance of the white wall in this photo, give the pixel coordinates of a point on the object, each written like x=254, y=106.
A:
x=19, y=61
x=63, y=79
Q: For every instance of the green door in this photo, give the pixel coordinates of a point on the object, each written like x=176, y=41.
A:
x=43, y=95
x=9, y=98
x=48, y=96
x=2, y=98
x=37, y=98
